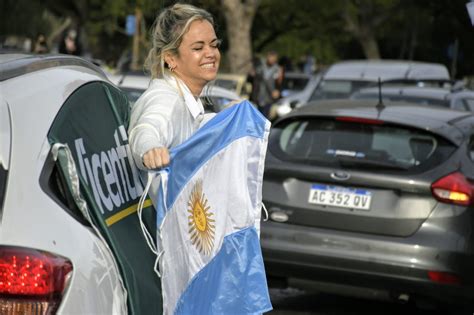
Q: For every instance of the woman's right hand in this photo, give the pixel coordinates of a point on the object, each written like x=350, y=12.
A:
x=156, y=158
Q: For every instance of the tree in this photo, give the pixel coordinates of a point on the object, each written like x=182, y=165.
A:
x=362, y=19
x=239, y=15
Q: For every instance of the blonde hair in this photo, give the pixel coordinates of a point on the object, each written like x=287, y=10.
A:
x=167, y=34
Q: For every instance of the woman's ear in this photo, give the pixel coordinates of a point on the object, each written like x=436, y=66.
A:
x=170, y=60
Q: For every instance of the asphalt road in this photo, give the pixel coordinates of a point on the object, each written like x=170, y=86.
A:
x=291, y=301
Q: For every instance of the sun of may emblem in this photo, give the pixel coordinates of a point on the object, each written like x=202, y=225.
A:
x=201, y=226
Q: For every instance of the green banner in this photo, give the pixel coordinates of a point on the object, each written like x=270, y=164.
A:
x=93, y=123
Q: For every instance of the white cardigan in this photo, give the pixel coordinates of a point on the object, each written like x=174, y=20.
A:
x=165, y=115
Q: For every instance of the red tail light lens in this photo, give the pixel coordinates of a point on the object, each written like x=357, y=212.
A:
x=31, y=281
x=443, y=277
x=454, y=188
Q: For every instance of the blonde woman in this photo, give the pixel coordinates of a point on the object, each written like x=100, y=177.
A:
x=221, y=271
x=184, y=58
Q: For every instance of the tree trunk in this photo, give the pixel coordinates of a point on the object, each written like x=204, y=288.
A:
x=239, y=17
x=369, y=45
x=362, y=25
x=136, y=65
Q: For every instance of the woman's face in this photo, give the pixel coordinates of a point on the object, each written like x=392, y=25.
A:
x=198, y=60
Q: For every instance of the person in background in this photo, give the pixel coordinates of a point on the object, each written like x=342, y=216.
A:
x=307, y=63
x=70, y=44
x=41, y=46
x=268, y=77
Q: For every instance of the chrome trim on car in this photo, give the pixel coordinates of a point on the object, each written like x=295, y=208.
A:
x=11, y=67
x=340, y=175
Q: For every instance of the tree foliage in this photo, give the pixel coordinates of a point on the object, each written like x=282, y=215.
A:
x=330, y=30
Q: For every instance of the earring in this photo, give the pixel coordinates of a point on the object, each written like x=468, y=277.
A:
x=172, y=68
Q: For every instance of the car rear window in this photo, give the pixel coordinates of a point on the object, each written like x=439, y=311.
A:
x=359, y=145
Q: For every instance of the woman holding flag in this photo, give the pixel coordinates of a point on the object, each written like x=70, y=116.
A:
x=184, y=58
x=208, y=220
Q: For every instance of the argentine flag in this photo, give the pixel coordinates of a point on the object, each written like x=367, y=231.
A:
x=209, y=218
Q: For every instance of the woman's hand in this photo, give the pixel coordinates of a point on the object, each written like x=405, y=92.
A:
x=156, y=158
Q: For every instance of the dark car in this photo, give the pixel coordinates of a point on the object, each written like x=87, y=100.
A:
x=373, y=200
x=455, y=98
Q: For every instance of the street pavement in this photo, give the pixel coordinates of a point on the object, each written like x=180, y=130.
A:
x=292, y=301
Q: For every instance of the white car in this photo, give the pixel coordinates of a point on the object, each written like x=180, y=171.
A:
x=70, y=239
x=343, y=78
x=214, y=97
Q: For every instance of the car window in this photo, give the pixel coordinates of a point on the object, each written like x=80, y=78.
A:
x=3, y=185
x=459, y=104
x=5, y=143
x=402, y=98
x=294, y=84
x=357, y=145
x=332, y=89
x=469, y=102
x=227, y=84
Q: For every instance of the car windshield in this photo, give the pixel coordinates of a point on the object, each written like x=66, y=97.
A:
x=425, y=100
x=227, y=84
x=357, y=145
x=293, y=84
x=332, y=89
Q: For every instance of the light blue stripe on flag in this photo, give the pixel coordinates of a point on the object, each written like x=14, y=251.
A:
x=235, y=122
x=243, y=289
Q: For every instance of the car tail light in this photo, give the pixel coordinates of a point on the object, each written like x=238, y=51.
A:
x=444, y=277
x=31, y=281
x=368, y=121
x=453, y=188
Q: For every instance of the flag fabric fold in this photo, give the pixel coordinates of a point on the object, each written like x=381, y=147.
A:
x=209, y=218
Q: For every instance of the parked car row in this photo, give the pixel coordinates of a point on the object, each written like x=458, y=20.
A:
x=363, y=196
x=214, y=97
x=344, y=78
x=370, y=190
x=457, y=98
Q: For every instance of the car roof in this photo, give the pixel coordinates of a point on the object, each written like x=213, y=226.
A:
x=372, y=70
x=13, y=65
x=440, y=121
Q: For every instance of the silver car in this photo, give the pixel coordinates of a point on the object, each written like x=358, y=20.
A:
x=372, y=199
